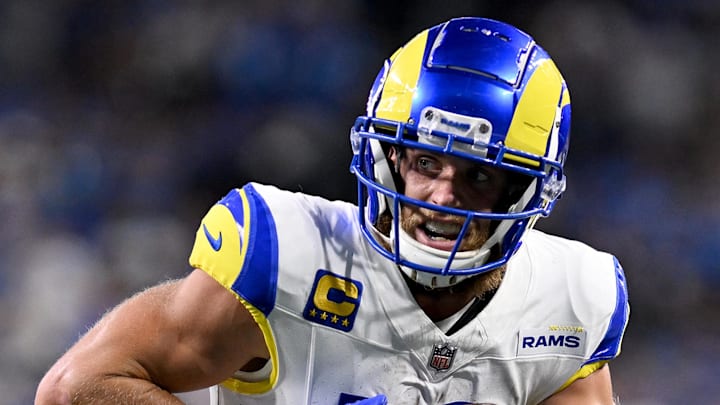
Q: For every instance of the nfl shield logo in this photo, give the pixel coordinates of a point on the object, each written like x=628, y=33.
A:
x=442, y=357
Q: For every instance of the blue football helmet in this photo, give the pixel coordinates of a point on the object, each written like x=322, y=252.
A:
x=473, y=88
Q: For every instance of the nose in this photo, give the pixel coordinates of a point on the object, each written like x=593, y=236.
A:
x=445, y=190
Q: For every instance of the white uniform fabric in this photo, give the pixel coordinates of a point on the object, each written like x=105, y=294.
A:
x=345, y=326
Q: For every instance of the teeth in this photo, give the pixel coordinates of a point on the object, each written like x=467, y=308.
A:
x=447, y=230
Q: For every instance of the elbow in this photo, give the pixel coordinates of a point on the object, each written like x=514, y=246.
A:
x=55, y=388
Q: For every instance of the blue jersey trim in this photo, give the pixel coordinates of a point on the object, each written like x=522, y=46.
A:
x=257, y=281
x=609, y=348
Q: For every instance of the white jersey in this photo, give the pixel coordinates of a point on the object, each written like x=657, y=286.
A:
x=341, y=324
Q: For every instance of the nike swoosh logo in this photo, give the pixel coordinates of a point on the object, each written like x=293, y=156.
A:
x=216, y=243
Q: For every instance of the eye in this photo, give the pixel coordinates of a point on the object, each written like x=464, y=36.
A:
x=427, y=164
x=478, y=175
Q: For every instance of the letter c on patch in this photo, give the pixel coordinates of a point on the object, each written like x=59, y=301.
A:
x=325, y=286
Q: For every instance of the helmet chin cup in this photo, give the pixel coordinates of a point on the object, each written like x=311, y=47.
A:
x=430, y=280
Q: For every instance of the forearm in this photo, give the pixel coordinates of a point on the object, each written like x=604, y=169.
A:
x=124, y=390
x=161, y=339
x=109, y=390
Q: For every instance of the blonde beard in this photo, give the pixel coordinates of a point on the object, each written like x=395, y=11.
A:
x=486, y=282
x=477, y=234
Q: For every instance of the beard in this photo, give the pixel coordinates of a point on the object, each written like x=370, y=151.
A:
x=477, y=234
x=412, y=218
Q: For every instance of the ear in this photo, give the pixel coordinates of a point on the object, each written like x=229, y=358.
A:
x=394, y=155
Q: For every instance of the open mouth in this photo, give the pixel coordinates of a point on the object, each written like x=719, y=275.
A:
x=439, y=235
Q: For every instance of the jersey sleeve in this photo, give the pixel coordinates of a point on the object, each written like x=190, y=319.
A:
x=236, y=244
x=610, y=344
x=609, y=347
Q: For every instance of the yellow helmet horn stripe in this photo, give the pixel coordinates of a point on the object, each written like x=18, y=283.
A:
x=533, y=119
x=401, y=81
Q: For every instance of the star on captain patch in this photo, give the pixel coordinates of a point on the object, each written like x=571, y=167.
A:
x=441, y=357
x=333, y=301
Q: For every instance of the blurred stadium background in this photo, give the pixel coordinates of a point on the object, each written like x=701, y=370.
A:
x=122, y=122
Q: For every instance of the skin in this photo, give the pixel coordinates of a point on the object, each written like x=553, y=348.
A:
x=164, y=340
x=160, y=341
x=449, y=182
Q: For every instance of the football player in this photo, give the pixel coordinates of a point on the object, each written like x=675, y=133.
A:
x=433, y=289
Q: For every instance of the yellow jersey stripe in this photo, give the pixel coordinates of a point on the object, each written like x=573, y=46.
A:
x=584, y=371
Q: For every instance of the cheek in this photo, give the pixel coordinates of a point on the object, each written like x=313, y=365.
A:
x=413, y=186
x=479, y=202
x=485, y=204
x=489, y=200
x=485, y=198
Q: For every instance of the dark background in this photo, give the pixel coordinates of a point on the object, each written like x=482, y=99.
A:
x=122, y=122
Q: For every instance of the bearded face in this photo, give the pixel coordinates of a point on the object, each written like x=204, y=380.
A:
x=441, y=231
x=449, y=182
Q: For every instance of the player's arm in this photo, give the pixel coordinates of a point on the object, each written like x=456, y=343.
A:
x=595, y=389
x=178, y=336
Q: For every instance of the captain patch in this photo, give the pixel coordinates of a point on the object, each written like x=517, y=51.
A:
x=333, y=301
